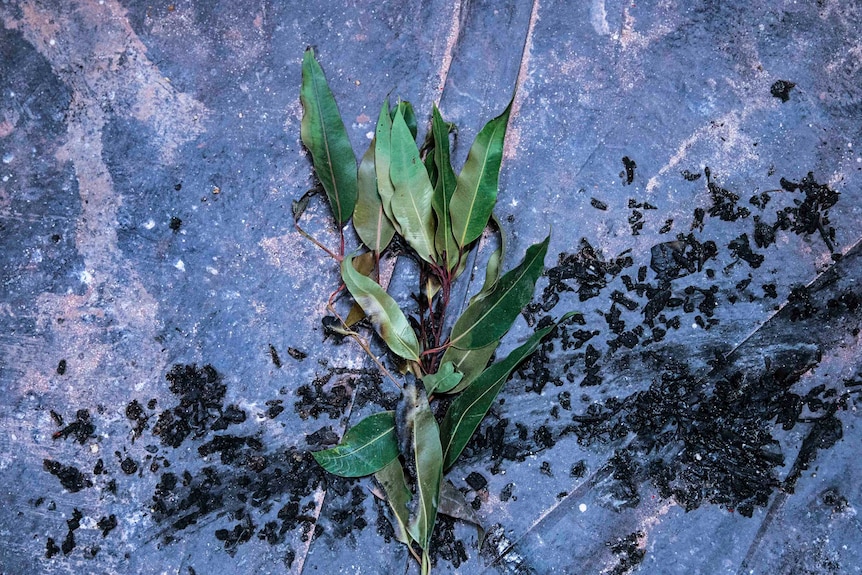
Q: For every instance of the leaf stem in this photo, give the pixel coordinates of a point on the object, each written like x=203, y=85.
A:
x=310, y=238
x=362, y=343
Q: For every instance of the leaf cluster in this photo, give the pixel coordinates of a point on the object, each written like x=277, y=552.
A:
x=400, y=188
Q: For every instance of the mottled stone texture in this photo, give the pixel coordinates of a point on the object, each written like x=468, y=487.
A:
x=165, y=373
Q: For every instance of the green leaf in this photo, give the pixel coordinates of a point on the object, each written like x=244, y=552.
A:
x=468, y=409
x=373, y=227
x=444, y=187
x=476, y=193
x=323, y=133
x=411, y=202
x=368, y=447
x=492, y=269
x=382, y=161
x=385, y=315
x=469, y=362
x=445, y=379
x=391, y=479
x=488, y=319
x=409, y=114
x=427, y=455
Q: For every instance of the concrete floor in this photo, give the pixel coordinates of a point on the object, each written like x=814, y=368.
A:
x=164, y=371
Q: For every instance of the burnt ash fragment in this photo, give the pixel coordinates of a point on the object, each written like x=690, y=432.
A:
x=70, y=477
x=741, y=249
x=201, y=393
x=81, y=429
x=630, y=553
x=724, y=202
x=628, y=175
x=781, y=89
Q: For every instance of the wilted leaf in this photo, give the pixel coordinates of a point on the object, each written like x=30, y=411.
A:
x=469, y=362
x=398, y=495
x=468, y=409
x=453, y=504
x=373, y=227
x=476, y=192
x=445, y=379
x=492, y=269
x=323, y=133
x=444, y=187
x=488, y=319
x=385, y=315
x=411, y=202
x=419, y=439
x=368, y=447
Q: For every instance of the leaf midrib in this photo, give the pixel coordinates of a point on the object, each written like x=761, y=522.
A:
x=497, y=303
x=476, y=192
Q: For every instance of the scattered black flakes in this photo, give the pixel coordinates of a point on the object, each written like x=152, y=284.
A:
x=764, y=234
x=136, y=414
x=231, y=415
x=770, y=291
x=760, y=200
x=232, y=538
x=61, y=367
x=51, y=548
x=741, y=249
x=629, y=552
x=598, y=204
x=275, y=407
x=296, y=354
x=201, y=393
x=107, y=524
x=667, y=227
x=240, y=451
x=691, y=176
x=799, y=303
x=506, y=492
x=629, y=174
x=545, y=469
x=591, y=271
x=781, y=89
x=129, y=466
x=636, y=221
x=273, y=354
x=322, y=438
x=324, y=396
x=810, y=215
x=445, y=546
x=684, y=256
x=175, y=224
x=81, y=429
x=70, y=477
x=73, y=524
x=724, y=202
x=579, y=469
x=476, y=481
x=697, y=219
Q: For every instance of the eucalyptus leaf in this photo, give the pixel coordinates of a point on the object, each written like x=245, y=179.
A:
x=382, y=161
x=469, y=362
x=385, y=315
x=467, y=410
x=398, y=495
x=411, y=202
x=445, y=379
x=444, y=186
x=427, y=455
x=454, y=505
x=492, y=269
x=409, y=115
x=324, y=135
x=488, y=319
x=368, y=447
x=476, y=192
x=370, y=221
